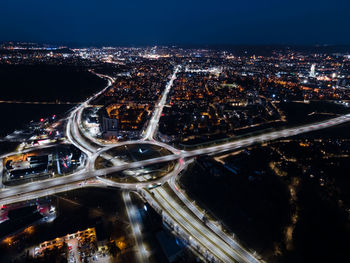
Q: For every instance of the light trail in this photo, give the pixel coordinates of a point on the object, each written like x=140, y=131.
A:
x=200, y=215
x=136, y=227
x=153, y=123
x=207, y=237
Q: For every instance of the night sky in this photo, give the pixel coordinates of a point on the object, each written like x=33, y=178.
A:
x=147, y=22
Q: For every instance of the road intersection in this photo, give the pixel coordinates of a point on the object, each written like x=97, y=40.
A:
x=189, y=222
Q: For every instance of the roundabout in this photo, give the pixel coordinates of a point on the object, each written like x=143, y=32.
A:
x=150, y=168
x=133, y=152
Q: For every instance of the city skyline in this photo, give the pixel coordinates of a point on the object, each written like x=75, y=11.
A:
x=174, y=131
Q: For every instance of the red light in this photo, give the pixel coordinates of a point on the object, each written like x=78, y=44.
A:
x=41, y=119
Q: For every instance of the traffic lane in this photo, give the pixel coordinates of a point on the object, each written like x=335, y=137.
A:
x=82, y=175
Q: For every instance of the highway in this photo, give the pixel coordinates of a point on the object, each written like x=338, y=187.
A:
x=73, y=131
x=212, y=225
x=13, y=194
x=199, y=232
x=208, y=237
x=203, y=235
x=136, y=227
x=206, y=240
x=153, y=123
x=49, y=191
x=268, y=137
x=88, y=149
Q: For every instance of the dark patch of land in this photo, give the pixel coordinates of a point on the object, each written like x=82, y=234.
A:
x=42, y=83
x=47, y=83
x=300, y=185
x=299, y=113
x=252, y=203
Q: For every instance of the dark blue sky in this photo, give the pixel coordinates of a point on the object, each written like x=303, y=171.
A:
x=176, y=22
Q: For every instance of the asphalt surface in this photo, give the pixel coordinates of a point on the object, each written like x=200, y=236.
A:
x=205, y=237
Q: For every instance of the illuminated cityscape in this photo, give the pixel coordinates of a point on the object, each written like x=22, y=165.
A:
x=182, y=149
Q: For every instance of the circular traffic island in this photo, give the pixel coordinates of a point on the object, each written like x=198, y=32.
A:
x=135, y=162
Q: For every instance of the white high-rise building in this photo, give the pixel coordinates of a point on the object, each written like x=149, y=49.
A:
x=312, y=71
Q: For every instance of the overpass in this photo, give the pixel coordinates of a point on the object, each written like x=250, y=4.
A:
x=186, y=220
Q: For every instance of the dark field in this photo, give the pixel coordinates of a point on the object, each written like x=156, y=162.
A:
x=287, y=200
x=47, y=83
x=300, y=113
x=38, y=83
x=17, y=116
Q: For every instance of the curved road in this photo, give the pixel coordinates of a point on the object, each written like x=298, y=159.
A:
x=205, y=237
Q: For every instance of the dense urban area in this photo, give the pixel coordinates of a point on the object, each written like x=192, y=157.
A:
x=174, y=154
